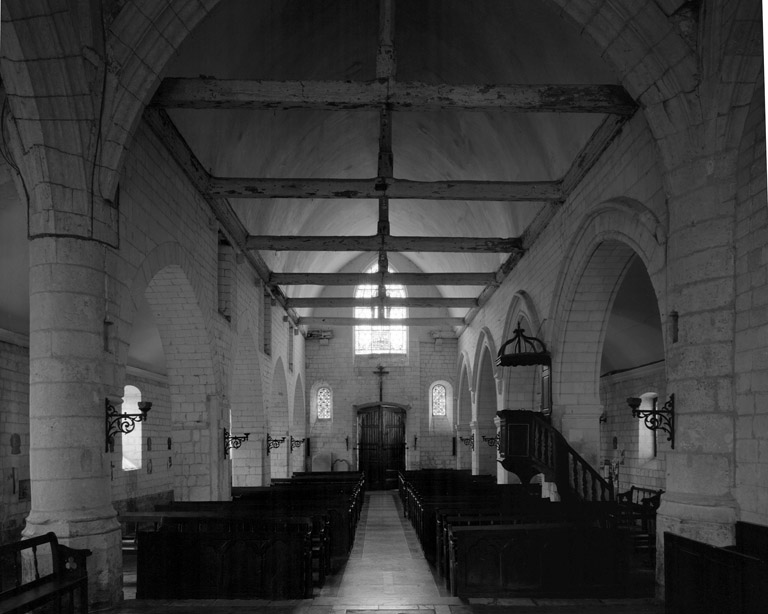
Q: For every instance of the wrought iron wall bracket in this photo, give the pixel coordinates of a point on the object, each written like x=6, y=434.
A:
x=233, y=441
x=296, y=443
x=468, y=441
x=491, y=441
x=122, y=423
x=274, y=443
x=657, y=419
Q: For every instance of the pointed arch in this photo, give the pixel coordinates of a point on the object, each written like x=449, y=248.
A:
x=279, y=422
x=520, y=385
x=598, y=258
x=247, y=411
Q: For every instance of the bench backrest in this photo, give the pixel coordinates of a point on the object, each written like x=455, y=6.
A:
x=27, y=563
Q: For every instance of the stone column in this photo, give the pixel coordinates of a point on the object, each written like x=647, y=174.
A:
x=698, y=501
x=69, y=371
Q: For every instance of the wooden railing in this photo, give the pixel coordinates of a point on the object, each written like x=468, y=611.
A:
x=529, y=444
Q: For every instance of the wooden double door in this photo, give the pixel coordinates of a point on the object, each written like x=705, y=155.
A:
x=381, y=441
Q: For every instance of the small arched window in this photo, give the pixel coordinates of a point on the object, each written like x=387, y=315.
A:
x=132, y=441
x=324, y=403
x=646, y=438
x=440, y=406
x=438, y=400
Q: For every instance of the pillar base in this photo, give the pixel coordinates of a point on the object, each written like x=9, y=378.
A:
x=706, y=519
x=101, y=534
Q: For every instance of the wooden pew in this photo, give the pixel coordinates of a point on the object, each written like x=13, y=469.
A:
x=558, y=560
x=704, y=579
x=224, y=565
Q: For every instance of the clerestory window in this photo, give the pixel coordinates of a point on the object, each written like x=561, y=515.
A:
x=380, y=338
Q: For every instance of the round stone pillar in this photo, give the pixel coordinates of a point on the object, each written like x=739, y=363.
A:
x=70, y=476
x=698, y=501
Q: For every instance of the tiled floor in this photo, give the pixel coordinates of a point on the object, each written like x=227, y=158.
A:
x=386, y=571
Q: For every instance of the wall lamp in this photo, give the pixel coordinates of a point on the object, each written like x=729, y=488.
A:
x=491, y=441
x=233, y=441
x=296, y=443
x=123, y=423
x=468, y=441
x=274, y=443
x=656, y=419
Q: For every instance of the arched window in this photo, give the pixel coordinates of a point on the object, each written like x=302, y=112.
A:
x=131, y=441
x=437, y=400
x=441, y=406
x=646, y=438
x=324, y=400
x=380, y=338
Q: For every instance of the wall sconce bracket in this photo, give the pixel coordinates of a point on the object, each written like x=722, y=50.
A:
x=657, y=419
x=468, y=441
x=233, y=441
x=296, y=443
x=274, y=442
x=122, y=423
x=491, y=441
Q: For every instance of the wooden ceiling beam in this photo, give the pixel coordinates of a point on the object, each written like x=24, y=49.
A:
x=159, y=122
x=372, y=279
x=375, y=243
x=374, y=188
x=209, y=93
x=409, y=302
x=341, y=321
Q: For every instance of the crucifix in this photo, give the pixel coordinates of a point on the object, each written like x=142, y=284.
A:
x=381, y=373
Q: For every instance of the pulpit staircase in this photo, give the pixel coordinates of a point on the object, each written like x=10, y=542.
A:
x=529, y=445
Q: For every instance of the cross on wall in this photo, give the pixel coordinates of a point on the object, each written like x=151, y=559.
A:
x=381, y=373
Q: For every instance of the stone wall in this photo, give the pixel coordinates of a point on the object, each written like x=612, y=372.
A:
x=154, y=478
x=633, y=468
x=332, y=362
x=14, y=435
x=751, y=355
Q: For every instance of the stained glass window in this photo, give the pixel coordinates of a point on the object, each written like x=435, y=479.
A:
x=380, y=338
x=324, y=403
x=438, y=400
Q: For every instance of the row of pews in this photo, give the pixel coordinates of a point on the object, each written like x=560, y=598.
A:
x=488, y=539
x=700, y=578
x=275, y=542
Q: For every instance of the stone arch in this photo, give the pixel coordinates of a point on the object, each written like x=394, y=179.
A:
x=520, y=388
x=463, y=414
x=38, y=72
x=195, y=406
x=486, y=406
x=279, y=421
x=463, y=411
x=485, y=341
x=300, y=426
x=598, y=258
x=246, y=403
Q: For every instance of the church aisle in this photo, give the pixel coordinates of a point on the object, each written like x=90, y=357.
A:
x=387, y=571
x=386, y=566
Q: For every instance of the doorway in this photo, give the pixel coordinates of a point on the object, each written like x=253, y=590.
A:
x=381, y=442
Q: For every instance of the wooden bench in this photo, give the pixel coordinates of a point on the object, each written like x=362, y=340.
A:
x=704, y=579
x=539, y=560
x=637, y=511
x=40, y=570
x=224, y=565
